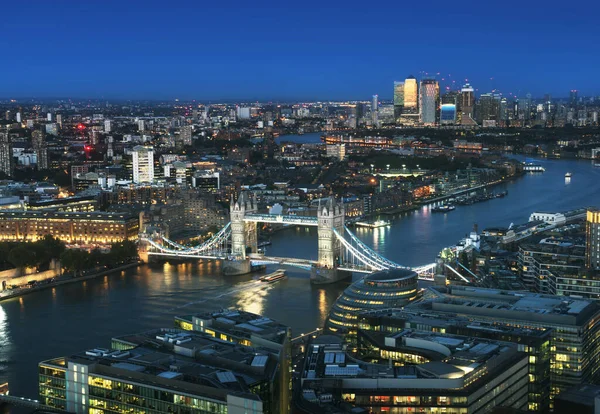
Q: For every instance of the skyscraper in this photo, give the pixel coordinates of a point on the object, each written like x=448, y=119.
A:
x=592, y=240
x=375, y=110
x=467, y=104
x=429, y=101
x=411, y=95
x=186, y=135
x=6, y=154
x=398, y=99
x=448, y=114
x=143, y=164
x=573, y=97
x=39, y=146
x=410, y=109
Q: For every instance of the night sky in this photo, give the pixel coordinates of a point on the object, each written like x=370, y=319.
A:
x=257, y=50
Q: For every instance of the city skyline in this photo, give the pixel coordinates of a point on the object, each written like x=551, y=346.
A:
x=280, y=53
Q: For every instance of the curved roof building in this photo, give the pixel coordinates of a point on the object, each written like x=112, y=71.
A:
x=393, y=288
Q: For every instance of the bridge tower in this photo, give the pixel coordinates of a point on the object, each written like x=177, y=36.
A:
x=330, y=217
x=243, y=234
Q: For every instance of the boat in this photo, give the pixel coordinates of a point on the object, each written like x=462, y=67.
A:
x=273, y=277
x=373, y=224
x=568, y=175
x=444, y=208
x=532, y=167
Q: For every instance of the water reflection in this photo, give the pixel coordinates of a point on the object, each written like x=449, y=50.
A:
x=323, y=305
x=253, y=300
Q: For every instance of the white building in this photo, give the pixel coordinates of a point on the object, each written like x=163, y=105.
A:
x=336, y=151
x=107, y=126
x=550, y=218
x=143, y=164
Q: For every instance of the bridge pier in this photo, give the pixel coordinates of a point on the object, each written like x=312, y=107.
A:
x=239, y=267
x=322, y=276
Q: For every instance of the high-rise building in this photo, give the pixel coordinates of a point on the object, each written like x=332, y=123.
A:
x=141, y=125
x=467, y=105
x=18, y=117
x=398, y=99
x=107, y=125
x=429, y=101
x=186, y=135
x=411, y=95
x=143, y=164
x=573, y=97
x=39, y=146
x=410, y=108
x=487, y=109
x=448, y=114
x=6, y=154
x=592, y=240
x=375, y=110
x=59, y=120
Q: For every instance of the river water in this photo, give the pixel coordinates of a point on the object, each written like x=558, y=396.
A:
x=75, y=317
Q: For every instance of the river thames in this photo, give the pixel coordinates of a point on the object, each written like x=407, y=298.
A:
x=80, y=316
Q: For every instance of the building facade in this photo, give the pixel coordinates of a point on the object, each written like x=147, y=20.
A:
x=429, y=102
x=143, y=164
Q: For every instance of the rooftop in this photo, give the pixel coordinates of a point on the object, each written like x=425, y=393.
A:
x=195, y=363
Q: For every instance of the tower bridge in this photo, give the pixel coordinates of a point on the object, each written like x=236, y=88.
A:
x=340, y=252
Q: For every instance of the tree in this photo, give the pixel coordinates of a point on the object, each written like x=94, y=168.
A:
x=22, y=256
x=74, y=260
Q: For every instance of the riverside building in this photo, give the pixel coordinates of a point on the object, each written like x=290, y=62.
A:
x=164, y=371
x=462, y=375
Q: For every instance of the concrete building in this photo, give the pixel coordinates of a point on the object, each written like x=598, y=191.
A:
x=337, y=151
x=463, y=375
x=7, y=164
x=161, y=371
x=592, y=240
x=429, y=102
x=143, y=164
x=575, y=325
x=70, y=227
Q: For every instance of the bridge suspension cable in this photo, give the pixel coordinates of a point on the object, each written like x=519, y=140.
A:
x=373, y=254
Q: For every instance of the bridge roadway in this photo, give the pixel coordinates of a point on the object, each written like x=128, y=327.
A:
x=20, y=402
x=282, y=219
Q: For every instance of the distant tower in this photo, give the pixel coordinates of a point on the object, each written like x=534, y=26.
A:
x=429, y=101
x=330, y=217
x=143, y=164
x=107, y=125
x=398, y=99
x=41, y=151
x=467, y=105
x=573, y=98
x=375, y=110
x=6, y=154
x=243, y=234
x=592, y=239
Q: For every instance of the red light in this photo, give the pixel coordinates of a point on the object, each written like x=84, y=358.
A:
x=87, y=148
x=80, y=127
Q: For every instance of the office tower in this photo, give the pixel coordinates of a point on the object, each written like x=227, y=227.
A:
x=141, y=125
x=429, y=101
x=186, y=135
x=18, y=117
x=143, y=164
x=59, y=120
x=398, y=99
x=375, y=110
x=410, y=108
x=109, y=147
x=467, y=105
x=575, y=325
x=592, y=239
x=411, y=95
x=6, y=154
x=448, y=114
x=503, y=111
x=39, y=146
x=107, y=125
x=488, y=108
x=573, y=97
x=49, y=117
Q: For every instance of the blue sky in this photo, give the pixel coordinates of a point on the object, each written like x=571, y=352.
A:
x=293, y=50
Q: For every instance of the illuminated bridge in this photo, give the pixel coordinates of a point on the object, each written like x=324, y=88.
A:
x=340, y=252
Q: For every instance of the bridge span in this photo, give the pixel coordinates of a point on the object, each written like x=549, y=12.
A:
x=339, y=251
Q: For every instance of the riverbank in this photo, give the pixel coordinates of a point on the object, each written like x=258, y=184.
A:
x=66, y=280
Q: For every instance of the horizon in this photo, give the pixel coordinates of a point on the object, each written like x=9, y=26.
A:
x=273, y=52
